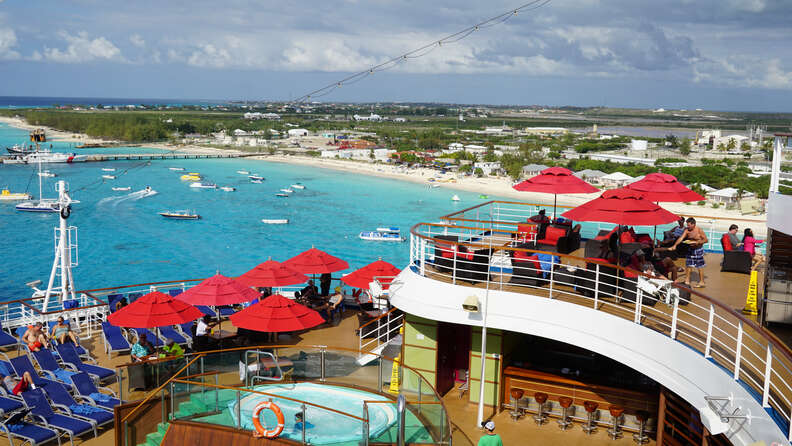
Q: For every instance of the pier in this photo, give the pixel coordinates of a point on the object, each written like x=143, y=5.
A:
x=95, y=157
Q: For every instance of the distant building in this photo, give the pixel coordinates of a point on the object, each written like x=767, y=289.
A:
x=371, y=117
x=707, y=136
x=399, y=120
x=532, y=170
x=621, y=159
x=639, y=144
x=546, y=131
x=489, y=168
x=616, y=179
x=257, y=115
x=590, y=175
x=727, y=195
x=293, y=133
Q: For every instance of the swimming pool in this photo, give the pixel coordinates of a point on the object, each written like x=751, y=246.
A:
x=325, y=427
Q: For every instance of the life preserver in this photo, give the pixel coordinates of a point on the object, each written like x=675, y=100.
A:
x=261, y=431
x=65, y=212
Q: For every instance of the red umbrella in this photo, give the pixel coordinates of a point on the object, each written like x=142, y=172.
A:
x=276, y=314
x=154, y=309
x=272, y=274
x=623, y=207
x=556, y=180
x=218, y=290
x=315, y=261
x=660, y=187
x=362, y=277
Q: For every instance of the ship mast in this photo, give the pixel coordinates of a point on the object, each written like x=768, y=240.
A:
x=65, y=251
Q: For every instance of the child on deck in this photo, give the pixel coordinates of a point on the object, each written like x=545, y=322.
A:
x=749, y=245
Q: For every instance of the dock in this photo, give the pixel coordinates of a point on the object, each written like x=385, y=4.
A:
x=96, y=157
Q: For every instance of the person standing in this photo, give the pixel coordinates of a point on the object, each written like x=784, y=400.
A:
x=324, y=284
x=749, y=245
x=490, y=438
x=696, y=238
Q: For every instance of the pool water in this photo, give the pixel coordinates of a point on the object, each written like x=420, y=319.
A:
x=325, y=427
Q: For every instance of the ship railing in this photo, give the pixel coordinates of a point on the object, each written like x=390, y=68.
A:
x=380, y=330
x=83, y=313
x=506, y=215
x=752, y=355
x=208, y=389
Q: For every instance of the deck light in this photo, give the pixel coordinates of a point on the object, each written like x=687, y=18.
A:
x=471, y=304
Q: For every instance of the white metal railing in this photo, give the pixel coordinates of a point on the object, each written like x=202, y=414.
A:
x=466, y=256
x=380, y=331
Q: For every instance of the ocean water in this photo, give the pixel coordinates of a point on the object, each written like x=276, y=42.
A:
x=46, y=102
x=10, y=136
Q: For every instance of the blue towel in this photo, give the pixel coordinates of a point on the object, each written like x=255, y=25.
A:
x=100, y=397
x=16, y=428
x=63, y=375
x=84, y=409
x=547, y=261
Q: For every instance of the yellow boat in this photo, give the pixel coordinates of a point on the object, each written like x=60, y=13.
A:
x=191, y=177
x=7, y=195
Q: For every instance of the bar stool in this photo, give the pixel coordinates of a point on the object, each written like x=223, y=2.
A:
x=566, y=403
x=642, y=416
x=616, y=413
x=516, y=395
x=590, y=427
x=541, y=399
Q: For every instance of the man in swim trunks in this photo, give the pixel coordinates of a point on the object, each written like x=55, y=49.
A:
x=35, y=338
x=696, y=239
x=63, y=332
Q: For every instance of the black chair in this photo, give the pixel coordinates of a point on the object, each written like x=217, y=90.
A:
x=524, y=272
x=563, y=276
x=477, y=269
x=565, y=244
x=585, y=280
x=736, y=261
x=444, y=264
x=629, y=288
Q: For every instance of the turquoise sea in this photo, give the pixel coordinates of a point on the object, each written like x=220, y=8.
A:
x=122, y=240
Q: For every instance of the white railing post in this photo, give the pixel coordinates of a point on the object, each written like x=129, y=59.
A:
x=738, y=351
x=454, y=264
x=422, y=256
x=708, y=345
x=674, y=319
x=638, y=303
x=552, y=269
x=596, y=284
x=768, y=365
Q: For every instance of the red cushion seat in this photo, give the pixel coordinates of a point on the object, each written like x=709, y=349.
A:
x=726, y=242
x=606, y=236
x=626, y=237
x=552, y=235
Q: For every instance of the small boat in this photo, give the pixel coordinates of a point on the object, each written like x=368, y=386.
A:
x=483, y=196
x=286, y=191
x=190, y=177
x=47, y=174
x=53, y=157
x=282, y=195
x=256, y=181
x=109, y=177
x=389, y=234
x=203, y=185
x=243, y=172
x=434, y=185
x=275, y=221
x=228, y=188
x=122, y=189
x=180, y=215
x=108, y=169
x=455, y=198
x=176, y=169
x=7, y=195
x=17, y=149
x=297, y=186
x=256, y=177
x=147, y=192
x=44, y=205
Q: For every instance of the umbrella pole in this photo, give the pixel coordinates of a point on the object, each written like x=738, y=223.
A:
x=555, y=200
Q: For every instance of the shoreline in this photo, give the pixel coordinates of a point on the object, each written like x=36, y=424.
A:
x=491, y=186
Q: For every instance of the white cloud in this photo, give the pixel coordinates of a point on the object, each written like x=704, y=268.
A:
x=8, y=40
x=81, y=48
x=137, y=40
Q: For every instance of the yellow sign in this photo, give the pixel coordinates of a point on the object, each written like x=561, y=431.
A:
x=394, y=383
x=750, y=300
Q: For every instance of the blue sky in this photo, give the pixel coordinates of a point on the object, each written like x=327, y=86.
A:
x=713, y=54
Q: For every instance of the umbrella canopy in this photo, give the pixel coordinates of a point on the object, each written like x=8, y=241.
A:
x=271, y=274
x=663, y=187
x=218, y=290
x=556, y=180
x=623, y=207
x=152, y=310
x=276, y=314
x=315, y=261
x=362, y=277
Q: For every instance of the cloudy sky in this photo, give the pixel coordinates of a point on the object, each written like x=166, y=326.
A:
x=715, y=54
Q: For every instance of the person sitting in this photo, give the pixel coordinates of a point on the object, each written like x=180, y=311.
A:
x=265, y=292
x=655, y=267
x=142, y=349
x=674, y=234
x=737, y=244
x=15, y=387
x=749, y=245
x=63, y=333
x=298, y=423
x=171, y=349
x=328, y=308
x=309, y=292
x=35, y=337
x=121, y=303
x=540, y=217
x=202, y=330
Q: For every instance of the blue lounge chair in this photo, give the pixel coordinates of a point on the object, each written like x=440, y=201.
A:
x=40, y=409
x=86, y=388
x=226, y=311
x=6, y=340
x=16, y=427
x=80, y=349
x=62, y=399
x=48, y=364
x=22, y=364
x=186, y=328
x=69, y=356
x=170, y=332
x=114, y=339
x=153, y=338
x=131, y=297
x=112, y=300
x=175, y=292
x=206, y=310
x=9, y=405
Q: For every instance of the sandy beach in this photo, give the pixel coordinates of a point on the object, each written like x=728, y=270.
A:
x=491, y=186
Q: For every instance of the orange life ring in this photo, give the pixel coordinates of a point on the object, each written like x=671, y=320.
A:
x=260, y=430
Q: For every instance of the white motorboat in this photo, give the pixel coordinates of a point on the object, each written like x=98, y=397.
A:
x=456, y=198
x=243, y=172
x=180, y=215
x=389, y=234
x=281, y=195
x=177, y=169
x=7, y=195
x=53, y=157
x=47, y=174
x=147, y=192
x=256, y=177
x=297, y=186
x=43, y=205
x=109, y=177
x=275, y=221
x=256, y=181
x=286, y=191
x=203, y=185
x=122, y=189
x=108, y=169
x=228, y=188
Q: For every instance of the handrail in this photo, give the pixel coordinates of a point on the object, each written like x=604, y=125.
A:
x=377, y=318
x=162, y=386
x=259, y=392
x=153, y=361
